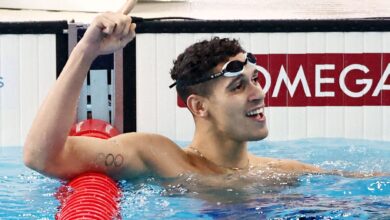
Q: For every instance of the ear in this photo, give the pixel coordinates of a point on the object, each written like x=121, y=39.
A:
x=197, y=105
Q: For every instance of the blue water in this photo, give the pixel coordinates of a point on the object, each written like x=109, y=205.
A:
x=25, y=194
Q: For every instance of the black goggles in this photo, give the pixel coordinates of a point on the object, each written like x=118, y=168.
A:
x=230, y=69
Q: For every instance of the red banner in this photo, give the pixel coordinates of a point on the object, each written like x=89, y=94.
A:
x=325, y=79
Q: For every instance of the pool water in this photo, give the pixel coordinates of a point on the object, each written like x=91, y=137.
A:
x=25, y=194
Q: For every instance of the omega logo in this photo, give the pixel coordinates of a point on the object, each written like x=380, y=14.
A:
x=283, y=77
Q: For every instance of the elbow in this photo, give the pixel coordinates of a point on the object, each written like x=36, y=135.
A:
x=30, y=160
x=37, y=160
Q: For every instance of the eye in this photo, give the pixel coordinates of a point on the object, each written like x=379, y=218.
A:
x=238, y=86
x=255, y=79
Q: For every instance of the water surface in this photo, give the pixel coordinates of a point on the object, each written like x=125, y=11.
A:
x=25, y=194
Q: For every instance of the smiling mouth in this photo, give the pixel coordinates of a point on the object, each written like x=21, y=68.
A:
x=257, y=113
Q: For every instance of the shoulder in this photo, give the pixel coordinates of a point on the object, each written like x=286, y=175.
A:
x=297, y=166
x=285, y=165
x=149, y=139
x=162, y=155
x=147, y=142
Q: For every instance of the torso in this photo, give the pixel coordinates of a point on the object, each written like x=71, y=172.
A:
x=208, y=182
x=171, y=161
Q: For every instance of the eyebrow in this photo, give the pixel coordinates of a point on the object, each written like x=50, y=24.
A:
x=237, y=78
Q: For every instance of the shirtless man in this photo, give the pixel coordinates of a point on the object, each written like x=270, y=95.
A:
x=223, y=95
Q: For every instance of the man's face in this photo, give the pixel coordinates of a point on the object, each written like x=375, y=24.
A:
x=237, y=104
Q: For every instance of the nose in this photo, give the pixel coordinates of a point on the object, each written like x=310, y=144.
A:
x=256, y=93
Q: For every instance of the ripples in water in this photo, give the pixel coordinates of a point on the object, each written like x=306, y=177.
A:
x=24, y=194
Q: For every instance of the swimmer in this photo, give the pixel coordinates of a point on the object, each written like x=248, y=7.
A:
x=217, y=79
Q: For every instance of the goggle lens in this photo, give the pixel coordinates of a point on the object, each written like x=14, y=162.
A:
x=235, y=67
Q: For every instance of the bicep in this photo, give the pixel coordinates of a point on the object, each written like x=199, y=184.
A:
x=85, y=154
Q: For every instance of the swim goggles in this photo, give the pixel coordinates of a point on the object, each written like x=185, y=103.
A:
x=230, y=69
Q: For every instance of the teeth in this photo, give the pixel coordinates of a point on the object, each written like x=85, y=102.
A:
x=255, y=112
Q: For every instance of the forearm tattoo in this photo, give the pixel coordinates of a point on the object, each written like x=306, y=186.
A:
x=110, y=160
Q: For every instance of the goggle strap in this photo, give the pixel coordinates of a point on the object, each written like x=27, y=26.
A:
x=248, y=59
x=173, y=84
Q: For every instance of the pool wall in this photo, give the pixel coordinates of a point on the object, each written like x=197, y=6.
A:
x=31, y=54
x=324, y=78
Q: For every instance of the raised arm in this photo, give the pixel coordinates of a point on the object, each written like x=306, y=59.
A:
x=49, y=132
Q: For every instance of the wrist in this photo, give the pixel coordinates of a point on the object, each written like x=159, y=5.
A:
x=85, y=52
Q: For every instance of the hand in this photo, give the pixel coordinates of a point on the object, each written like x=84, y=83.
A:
x=109, y=31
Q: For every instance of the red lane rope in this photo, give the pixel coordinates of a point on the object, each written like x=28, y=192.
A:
x=90, y=195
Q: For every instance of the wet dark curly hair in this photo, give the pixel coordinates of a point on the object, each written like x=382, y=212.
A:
x=198, y=61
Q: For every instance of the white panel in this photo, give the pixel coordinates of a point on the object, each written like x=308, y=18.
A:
x=315, y=42
x=29, y=85
x=372, y=122
x=386, y=124
x=146, y=84
x=27, y=62
x=260, y=43
x=82, y=106
x=99, y=94
x=353, y=42
x=47, y=64
x=385, y=42
x=1, y=94
x=166, y=99
x=278, y=43
x=316, y=125
x=277, y=120
x=353, y=118
x=372, y=42
x=297, y=120
x=334, y=42
x=185, y=125
x=296, y=43
x=10, y=93
x=334, y=122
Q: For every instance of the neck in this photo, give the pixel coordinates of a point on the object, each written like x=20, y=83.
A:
x=221, y=150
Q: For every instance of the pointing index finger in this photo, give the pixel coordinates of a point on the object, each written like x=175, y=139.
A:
x=127, y=7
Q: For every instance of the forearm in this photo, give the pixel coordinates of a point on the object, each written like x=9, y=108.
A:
x=56, y=115
x=47, y=140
